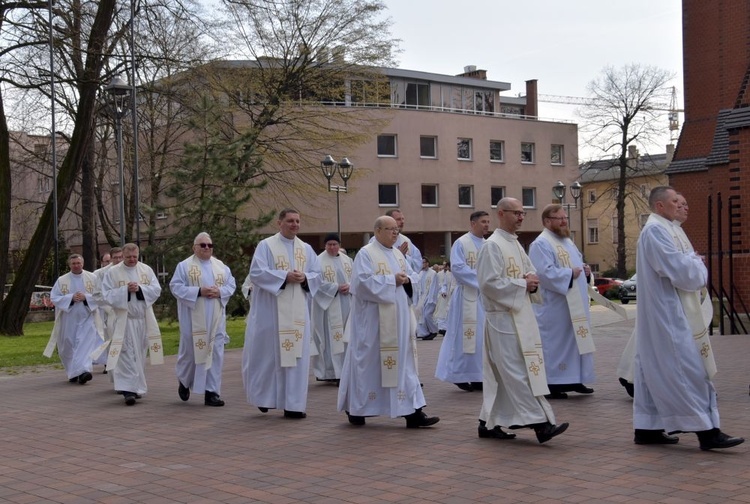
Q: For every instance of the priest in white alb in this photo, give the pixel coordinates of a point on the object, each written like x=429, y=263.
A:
x=674, y=363
x=330, y=310
x=563, y=317
x=202, y=285
x=380, y=368
x=131, y=289
x=403, y=242
x=460, y=358
x=426, y=327
x=514, y=379
x=114, y=257
x=75, y=332
x=284, y=274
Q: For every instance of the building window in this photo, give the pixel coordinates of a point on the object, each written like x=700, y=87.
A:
x=557, y=155
x=527, y=152
x=497, y=151
x=388, y=194
x=387, y=146
x=45, y=184
x=528, y=197
x=496, y=194
x=417, y=95
x=645, y=191
x=642, y=219
x=464, y=149
x=614, y=229
x=465, y=196
x=592, y=196
x=429, y=195
x=592, y=227
x=594, y=267
x=428, y=147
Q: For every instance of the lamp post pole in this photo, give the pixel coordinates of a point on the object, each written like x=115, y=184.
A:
x=345, y=168
x=558, y=190
x=119, y=92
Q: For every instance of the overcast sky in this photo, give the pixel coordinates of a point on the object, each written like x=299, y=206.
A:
x=563, y=43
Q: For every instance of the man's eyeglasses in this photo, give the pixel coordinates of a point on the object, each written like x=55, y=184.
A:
x=390, y=229
x=205, y=245
x=517, y=213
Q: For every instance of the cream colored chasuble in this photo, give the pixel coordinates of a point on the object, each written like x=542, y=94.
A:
x=581, y=326
x=90, y=283
x=387, y=317
x=469, y=298
x=203, y=339
x=153, y=333
x=291, y=301
x=517, y=265
x=335, y=317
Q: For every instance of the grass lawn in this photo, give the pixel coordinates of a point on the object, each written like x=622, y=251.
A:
x=22, y=351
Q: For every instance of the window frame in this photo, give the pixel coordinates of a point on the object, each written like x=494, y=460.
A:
x=434, y=147
x=471, y=195
x=592, y=225
x=436, y=188
x=533, y=153
x=562, y=155
x=502, y=151
x=533, y=195
x=459, y=141
x=493, y=201
x=388, y=184
x=395, y=145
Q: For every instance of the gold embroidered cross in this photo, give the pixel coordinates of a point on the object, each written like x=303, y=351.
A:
x=155, y=348
x=469, y=333
x=281, y=263
x=471, y=260
x=297, y=334
x=287, y=345
x=338, y=336
x=582, y=332
x=300, y=259
x=348, y=270
x=705, y=350
x=513, y=270
x=329, y=274
x=201, y=344
x=389, y=362
x=220, y=280
x=382, y=269
x=534, y=368
x=64, y=289
x=195, y=274
x=114, y=352
x=564, y=257
x=89, y=287
x=145, y=280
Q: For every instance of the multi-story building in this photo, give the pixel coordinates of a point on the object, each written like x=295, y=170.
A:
x=599, y=196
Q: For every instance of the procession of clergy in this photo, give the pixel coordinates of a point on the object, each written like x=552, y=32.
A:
x=517, y=326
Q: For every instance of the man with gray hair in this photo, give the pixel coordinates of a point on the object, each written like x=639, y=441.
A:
x=75, y=334
x=202, y=286
x=674, y=365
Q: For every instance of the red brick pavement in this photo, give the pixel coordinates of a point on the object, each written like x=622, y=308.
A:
x=66, y=443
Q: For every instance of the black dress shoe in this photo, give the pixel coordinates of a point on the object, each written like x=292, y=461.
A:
x=495, y=433
x=556, y=395
x=73, y=380
x=646, y=437
x=183, y=391
x=629, y=388
x=583, y=389
x=420, y=419
x=429, y=337
x=477, y=385
x=105, y=370
x=355, y=420
x=84, y=377
x=547, y=431
x=262, y=409
x=714, y=438
x=294, y=414
x=441, y=332
x=213, y=399
x=465, y=386
x=129, y=398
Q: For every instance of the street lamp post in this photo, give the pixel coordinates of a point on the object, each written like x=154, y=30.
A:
x=329, y=166
x=558, y=190
x=119, y=93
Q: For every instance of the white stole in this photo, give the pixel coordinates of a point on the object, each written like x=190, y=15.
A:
x=90, y=283
x=291, y=302
x=387, y=317
x=203, y=339
x=517, y=266
x=469, y=298
x=581, y=326
x=335, y=319
x=153, y=333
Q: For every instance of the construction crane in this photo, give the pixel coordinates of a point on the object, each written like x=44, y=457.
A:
x=673, y=113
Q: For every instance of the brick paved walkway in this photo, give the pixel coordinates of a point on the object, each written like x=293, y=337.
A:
x=68, y=443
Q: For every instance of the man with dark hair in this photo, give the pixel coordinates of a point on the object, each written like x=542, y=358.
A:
x=75, y=334
x=202, y=285
x=674, y=363
x=563, y=317
x=460, y=358
x=284, y=274
x=380, y=368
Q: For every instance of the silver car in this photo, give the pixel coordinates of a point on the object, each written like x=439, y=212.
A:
x=627, y=290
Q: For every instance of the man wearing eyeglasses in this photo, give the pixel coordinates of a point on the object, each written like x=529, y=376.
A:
x=403, y=243
x=202, y=286
x=285, y=275
x=514, y=379
x=563, y=318
x=379, y=376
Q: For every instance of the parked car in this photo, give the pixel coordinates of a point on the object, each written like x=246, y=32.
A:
x=603, y=284
x=627, y=290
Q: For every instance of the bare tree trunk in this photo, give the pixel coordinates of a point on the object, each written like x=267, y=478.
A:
x=88, y=214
